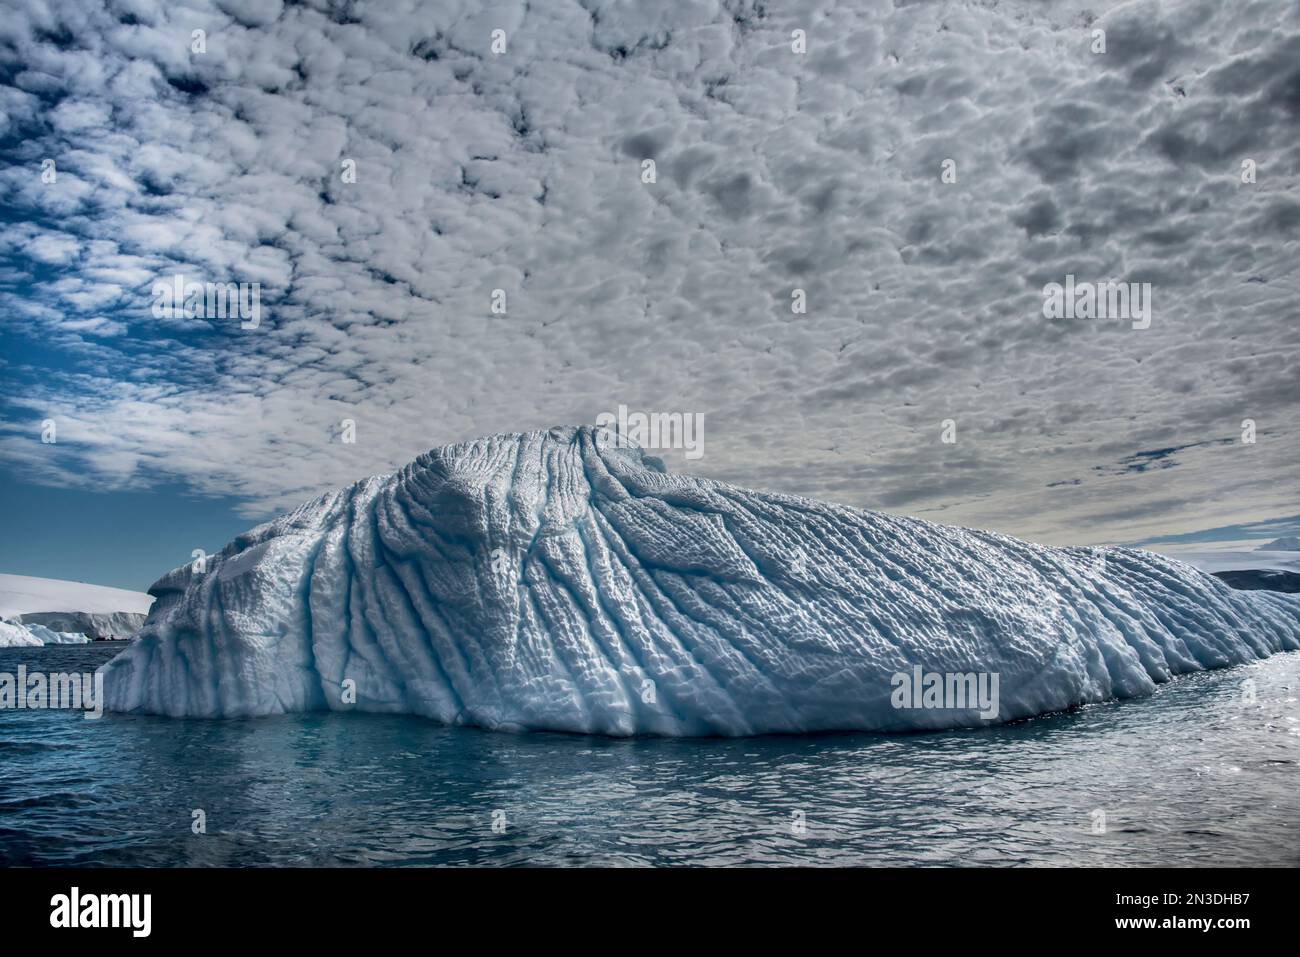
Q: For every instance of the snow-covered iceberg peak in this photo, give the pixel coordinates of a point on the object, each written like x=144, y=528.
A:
x=556, y=580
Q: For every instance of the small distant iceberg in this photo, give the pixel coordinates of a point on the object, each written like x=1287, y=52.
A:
x=50, y=637
x=18, y=635
x=562, y=580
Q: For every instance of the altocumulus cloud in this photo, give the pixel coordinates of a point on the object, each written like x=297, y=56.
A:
x=521, y=170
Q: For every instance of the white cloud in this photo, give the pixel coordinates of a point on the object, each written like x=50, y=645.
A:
x=521, y=172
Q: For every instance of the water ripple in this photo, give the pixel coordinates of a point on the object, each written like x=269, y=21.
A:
x=1193, y=775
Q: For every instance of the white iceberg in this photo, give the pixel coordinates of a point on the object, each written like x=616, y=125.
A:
x=554, y=580
x=48, y=636
x=16, y=636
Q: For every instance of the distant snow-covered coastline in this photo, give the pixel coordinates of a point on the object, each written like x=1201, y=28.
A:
x=47, y=608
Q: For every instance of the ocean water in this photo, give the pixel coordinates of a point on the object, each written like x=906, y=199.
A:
x=1194, y=775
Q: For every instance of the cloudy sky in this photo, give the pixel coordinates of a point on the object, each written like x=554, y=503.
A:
x=522, y=169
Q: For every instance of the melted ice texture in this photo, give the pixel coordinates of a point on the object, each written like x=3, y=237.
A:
x=555, y=580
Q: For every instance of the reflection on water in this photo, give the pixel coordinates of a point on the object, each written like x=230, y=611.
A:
x=1192, y=776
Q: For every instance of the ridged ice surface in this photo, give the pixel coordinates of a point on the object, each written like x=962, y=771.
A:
x=553, y=580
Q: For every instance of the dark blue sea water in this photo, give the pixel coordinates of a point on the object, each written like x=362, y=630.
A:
x=1194, y=775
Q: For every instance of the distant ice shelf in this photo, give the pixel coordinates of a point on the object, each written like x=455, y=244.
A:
x=72, y=607
x=1239, y=561
x=23, y=594
x=558, y=580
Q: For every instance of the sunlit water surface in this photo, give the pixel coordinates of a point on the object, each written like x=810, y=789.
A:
x=1195, y=775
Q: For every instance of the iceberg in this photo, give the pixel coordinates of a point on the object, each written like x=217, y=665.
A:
x=563, y=580
x=49, y=636
x=16, y=636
